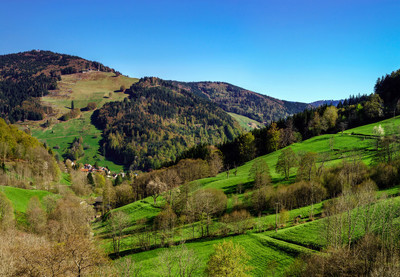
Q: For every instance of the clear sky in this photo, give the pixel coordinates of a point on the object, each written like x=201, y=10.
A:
x=297, y=50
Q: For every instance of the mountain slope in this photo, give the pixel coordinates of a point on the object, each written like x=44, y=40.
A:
x=159, y=122
x=26, y=75
x=244, y=102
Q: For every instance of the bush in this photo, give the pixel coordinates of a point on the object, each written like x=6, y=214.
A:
x=298, y=195
x=385, y=175
x=91, y=106
x=70, y=115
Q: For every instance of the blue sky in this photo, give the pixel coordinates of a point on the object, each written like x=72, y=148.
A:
x=289, y=49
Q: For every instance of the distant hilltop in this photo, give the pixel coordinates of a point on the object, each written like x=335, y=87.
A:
x=325, y=102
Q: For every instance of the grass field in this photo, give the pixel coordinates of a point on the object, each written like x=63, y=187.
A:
x=81, y=88
x=263, y=251
x=246, y=123
x=345, y=146
x=391, y=126
x=20, y=197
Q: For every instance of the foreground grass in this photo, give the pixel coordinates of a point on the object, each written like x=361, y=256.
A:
x=267, y=255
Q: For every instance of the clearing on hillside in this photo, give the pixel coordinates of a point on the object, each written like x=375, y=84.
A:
x=81, y=88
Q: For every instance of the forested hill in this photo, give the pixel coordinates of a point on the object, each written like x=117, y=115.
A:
x=244, y=102
x=158, y=122
x=26, y=75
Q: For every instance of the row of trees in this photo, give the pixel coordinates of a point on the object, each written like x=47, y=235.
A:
x=361, y=236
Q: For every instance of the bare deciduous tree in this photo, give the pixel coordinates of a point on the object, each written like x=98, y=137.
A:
x=178, y=261
x=155, y=188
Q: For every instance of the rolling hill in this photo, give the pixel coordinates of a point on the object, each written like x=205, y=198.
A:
x=270, y=251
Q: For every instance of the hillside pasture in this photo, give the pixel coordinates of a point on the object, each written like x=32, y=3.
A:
x=81, y=88
x=20, y=197
x=246, y=123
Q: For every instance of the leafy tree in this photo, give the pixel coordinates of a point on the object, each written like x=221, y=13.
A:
x=228, y=259
x=329, y=118
x=118, y=180
x=246, y=147
x=373, y=108
x=315, y=124
x=259, y=172
x=124, y=194
x=307, y=166
x=273, y=137
x=286, y=161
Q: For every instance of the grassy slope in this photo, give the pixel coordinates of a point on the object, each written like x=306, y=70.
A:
x=308, y=234
x=20, y=197
x=246, y=123
x=391, y=126
x=277, y=247
x=82, y=88
x=263, y=251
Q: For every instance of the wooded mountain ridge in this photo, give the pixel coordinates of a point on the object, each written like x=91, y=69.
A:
x=28, y=75
x=158, y=122
x=234, y=99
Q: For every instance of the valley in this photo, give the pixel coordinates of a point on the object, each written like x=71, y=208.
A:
x=195, y=168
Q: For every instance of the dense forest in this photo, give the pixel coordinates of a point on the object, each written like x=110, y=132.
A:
x=28, y=75
x=158, y=122
x=230, y=98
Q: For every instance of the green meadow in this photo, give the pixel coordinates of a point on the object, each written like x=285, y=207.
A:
x=246, y=123
x=270, y=251
x=20, y=197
